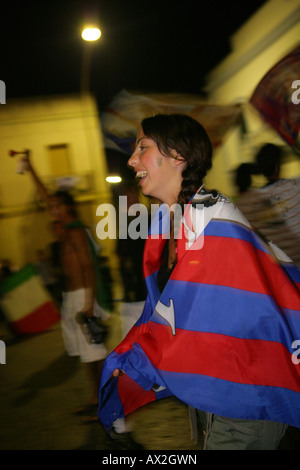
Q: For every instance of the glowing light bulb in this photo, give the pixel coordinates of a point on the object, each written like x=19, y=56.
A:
x=113, y=179
x=91, y=33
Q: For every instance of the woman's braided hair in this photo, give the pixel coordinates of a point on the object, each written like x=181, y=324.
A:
x=189, y=139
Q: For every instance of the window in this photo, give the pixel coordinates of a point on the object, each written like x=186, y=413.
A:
x=59, y=162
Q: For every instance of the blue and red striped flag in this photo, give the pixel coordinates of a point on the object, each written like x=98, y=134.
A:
x=221, y=336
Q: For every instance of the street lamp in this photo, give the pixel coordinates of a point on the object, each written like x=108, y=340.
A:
x=89, y=34
x=113, y=179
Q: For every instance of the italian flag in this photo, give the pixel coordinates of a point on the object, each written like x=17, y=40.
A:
x=26, y=303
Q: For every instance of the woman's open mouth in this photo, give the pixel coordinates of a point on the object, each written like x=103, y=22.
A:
x=142, y=175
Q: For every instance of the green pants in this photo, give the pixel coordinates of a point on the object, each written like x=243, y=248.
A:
x=239, y=434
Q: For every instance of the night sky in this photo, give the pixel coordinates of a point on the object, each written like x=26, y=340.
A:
x=146, y=46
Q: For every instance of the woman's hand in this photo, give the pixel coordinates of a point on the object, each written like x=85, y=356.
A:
x=117, y=372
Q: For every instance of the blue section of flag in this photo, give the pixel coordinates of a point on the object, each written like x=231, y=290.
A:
x=125, y=144
x=237, y=400
x=138, y=367
x=230, y=230
x=160, y=224
x=230, y=311
x=111, y=407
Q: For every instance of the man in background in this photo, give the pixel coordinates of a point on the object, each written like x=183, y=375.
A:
x=81, y=302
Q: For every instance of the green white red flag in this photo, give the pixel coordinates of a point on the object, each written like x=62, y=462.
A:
x=26, y=304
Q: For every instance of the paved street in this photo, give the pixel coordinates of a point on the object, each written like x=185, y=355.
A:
x=41, y=385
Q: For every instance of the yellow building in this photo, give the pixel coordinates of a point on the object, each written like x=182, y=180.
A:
x=63, y=134
x=271, y=33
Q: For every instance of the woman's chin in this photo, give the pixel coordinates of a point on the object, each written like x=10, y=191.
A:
x=143, y=186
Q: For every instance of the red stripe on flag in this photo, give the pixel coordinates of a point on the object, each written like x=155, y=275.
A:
x=152, y=255
x=38, y=320
x=249, y=361
x=217, y=264
x=133, y=395
x=131, y=337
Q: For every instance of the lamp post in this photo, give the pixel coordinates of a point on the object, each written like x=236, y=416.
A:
x=89, y=34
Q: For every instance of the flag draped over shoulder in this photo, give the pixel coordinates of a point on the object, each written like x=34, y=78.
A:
x=26, y=303
x=221, y=336
x=273, y=98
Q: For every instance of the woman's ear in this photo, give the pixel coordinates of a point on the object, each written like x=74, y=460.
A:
x=178, y=159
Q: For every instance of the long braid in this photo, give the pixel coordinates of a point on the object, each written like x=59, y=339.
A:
x=192, y=179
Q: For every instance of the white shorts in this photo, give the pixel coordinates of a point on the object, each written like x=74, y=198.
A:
x=75, y=340
x=130, y=312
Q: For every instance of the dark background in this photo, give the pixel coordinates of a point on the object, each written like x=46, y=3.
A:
x=150, y=46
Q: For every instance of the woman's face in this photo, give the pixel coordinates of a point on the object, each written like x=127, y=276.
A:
x=160, y=176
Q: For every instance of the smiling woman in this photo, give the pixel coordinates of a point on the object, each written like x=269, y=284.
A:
x=212, y=322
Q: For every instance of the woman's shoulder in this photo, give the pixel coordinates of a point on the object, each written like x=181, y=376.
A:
x=217, y=206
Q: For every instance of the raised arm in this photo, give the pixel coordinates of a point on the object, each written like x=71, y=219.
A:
x=43, y=194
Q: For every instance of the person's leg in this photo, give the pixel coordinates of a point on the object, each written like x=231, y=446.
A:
x=91, y=355
x=89, y=411
x=94, y=374
x=68, y=325
x=238, y=434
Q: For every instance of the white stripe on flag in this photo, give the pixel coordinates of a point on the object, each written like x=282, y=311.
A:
x=24, y=299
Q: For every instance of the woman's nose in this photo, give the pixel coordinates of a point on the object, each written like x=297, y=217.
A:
x=132, y=161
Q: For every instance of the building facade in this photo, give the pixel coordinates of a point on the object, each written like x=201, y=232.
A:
x=268, y=36
x=63, y=134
